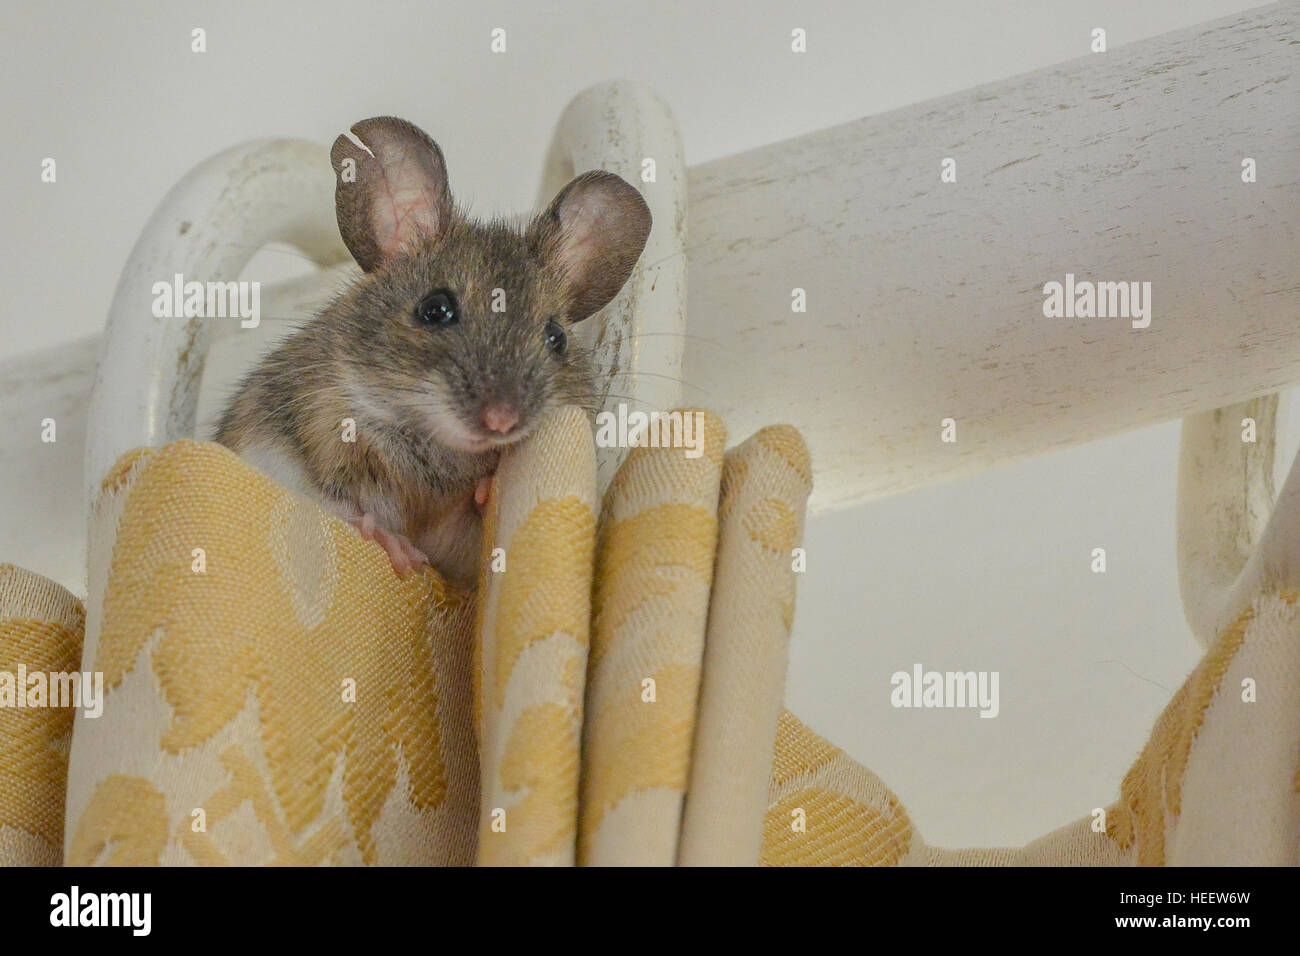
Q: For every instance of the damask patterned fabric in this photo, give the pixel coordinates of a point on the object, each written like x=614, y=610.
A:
x=275, y=694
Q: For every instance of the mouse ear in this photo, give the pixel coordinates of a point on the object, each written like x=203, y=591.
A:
x=594, y=230
x=391, y=189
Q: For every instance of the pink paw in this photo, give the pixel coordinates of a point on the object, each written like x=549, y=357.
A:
x=481, y=491
x=404, y=556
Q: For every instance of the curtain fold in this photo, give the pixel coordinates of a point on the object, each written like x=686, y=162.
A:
x=765, y=486
x=656, y=546
x=535, y=587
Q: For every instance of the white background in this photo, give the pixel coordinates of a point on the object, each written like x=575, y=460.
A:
x=987, y=574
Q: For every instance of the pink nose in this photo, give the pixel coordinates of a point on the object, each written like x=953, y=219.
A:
x=500, y=418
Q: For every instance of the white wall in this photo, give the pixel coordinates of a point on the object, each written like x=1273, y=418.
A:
x=988, y=574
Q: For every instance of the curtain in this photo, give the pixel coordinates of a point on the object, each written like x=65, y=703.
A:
x=611, y=693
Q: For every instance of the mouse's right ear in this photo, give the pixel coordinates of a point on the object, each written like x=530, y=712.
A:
x=390, y=189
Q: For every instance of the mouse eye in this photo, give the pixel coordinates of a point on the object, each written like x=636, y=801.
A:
x=437, y=308
x=555, y=338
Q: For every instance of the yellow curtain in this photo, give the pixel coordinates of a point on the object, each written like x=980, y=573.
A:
x=612, y=695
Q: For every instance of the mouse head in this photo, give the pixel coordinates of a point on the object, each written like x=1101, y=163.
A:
x=460, y=328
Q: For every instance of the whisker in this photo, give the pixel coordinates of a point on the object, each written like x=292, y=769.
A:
x=268, y=247
x=680, y=335
x=669, y=378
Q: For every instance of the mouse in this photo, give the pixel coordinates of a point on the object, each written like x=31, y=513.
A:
x=392, y=405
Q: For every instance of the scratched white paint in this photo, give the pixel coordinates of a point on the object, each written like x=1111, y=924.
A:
x=925, y=298
x=639, y=338
x=207, y=227
x=1225, y=497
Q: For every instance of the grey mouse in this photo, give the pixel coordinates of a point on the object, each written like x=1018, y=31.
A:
x=392, y=405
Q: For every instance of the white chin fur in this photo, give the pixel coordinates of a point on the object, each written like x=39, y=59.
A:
x=450, y=431
x=462, y=439
x=442, y=422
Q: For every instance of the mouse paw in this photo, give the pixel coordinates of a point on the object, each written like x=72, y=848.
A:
x=481, y=491
x=404, y=556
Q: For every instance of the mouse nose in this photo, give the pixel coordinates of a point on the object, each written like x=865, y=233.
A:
x=500, y=417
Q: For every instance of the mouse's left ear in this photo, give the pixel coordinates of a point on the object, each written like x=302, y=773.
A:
x=390, y=190
x=594, y=230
